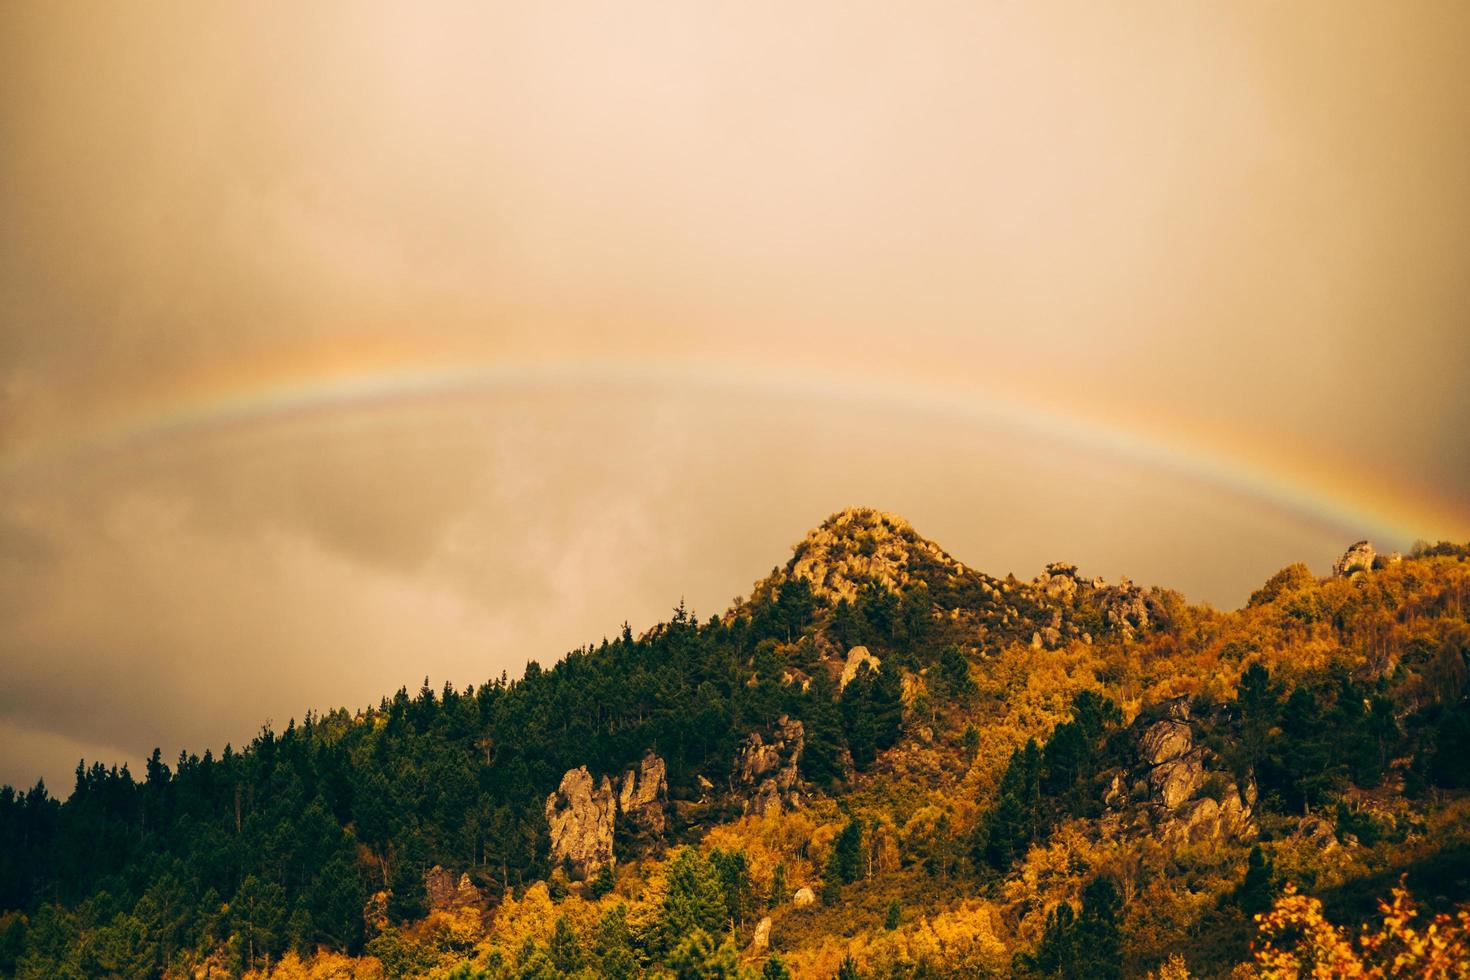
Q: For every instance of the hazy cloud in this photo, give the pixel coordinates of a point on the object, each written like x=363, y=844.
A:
x=1214, y=227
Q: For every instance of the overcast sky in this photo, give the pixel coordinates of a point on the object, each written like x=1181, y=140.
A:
x=348, y=344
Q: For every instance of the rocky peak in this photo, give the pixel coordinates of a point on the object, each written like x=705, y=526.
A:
x=1358, y=558
x=860, y=545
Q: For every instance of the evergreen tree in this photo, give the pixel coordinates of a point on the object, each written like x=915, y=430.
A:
x=698, y=957
x=954, y=672
x=565, y=949
x=1256, y=892
x=774, y=969
x=695, y=899
x=891, y=918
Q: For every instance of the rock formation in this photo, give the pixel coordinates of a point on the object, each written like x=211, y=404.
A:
x=580, y=817
x=1178, y=788
x=766, y=773
x=583, y=815
x=643, y=798
x=803, y=898
x=762, y=940
x=1358, y=558
x=860, y=545
x=444, y=892
x=856, y=658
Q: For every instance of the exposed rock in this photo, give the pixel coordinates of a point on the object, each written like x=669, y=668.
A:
x=1059, y=581
x=643, y=797
x=1165, y=740
x=444, y=892
x=1115, y=794
x=767, y=773
x=1124, y=608
x=803, y=898
x=1179, y=787
x=438, y=887
x=858, y=546
x=1175, y=781
x=1317, y=832
x=762, y=940
x=856, y=657
x=580, y=818
x=793, y=677
x=1358, y=558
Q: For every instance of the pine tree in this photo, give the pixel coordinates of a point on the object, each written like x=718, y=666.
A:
x=1256, y=892
x=891, y=919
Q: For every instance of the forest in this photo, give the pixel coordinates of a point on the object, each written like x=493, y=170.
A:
x=994, y=794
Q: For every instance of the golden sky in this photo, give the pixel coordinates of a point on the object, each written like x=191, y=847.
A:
x=348, y=343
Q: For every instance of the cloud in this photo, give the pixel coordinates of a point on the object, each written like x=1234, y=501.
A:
x=1193, y=221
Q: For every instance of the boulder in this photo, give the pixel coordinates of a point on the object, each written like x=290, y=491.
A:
x=1358, y=558
x=856, y=658
x=580, y=816
x=643, y=797
x=1317, y=832
x=766, y=773
x=803, y=898
x=762, y=940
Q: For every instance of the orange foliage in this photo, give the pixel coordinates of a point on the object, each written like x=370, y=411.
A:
x=1296, y=941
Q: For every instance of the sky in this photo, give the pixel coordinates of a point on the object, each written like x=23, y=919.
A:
x=343, y=345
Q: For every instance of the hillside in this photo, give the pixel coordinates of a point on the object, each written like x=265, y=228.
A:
x=883, y=763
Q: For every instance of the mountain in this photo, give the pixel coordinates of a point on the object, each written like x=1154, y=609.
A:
x=882, y=763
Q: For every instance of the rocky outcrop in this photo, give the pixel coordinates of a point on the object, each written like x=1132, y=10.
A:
x=857, y=657
x=580, y=817
x=1059, y=581
x=766, y=772
x=1358, y=558
x=444, y=892
x=584, y=815
x=803, y=898
x=1178, y=791
x=643, y=798
x=1125, y=608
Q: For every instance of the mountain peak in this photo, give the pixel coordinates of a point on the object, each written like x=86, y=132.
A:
x=861, y=545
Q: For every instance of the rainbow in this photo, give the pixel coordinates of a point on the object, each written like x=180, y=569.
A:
x=290, y=392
